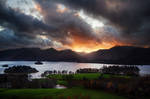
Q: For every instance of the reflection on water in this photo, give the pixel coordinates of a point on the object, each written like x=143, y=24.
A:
x=69, y=66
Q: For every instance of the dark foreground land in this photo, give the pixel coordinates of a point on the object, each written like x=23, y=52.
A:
x=107, y=83
x=84, y=86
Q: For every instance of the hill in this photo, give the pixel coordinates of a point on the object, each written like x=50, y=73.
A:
x=34, y=54
x=121, y=55
x=117, y=55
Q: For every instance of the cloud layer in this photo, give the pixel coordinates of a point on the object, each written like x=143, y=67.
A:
x=125, y=22
x=132, y=17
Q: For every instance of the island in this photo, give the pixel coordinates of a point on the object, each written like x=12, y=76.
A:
x=20, y=69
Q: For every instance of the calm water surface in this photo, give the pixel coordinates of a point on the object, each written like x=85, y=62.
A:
x=70, y=66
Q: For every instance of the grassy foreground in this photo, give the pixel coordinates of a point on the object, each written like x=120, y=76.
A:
x=73, y=93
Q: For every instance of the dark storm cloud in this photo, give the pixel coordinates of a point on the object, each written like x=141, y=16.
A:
x=126, y=13
x=20, y=30
x=19, y=21
x=131, y=16
x=9, y=40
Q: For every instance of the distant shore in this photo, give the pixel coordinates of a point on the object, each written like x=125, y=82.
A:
x=81, y=62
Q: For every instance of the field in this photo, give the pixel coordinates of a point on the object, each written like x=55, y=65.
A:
x=73, y=93
x=89, y=76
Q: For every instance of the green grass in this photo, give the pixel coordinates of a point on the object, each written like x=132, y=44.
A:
x=73, y=93
x=62, y=82
x=89, y=76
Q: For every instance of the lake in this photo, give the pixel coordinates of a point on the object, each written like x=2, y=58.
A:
x=69, y=66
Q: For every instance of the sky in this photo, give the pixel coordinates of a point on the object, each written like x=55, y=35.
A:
x=79, y=25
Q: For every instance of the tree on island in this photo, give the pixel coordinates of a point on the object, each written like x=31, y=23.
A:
x=123, y=70
x=20, y=69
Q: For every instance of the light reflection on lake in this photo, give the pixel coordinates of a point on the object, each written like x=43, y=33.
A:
x=69, y=66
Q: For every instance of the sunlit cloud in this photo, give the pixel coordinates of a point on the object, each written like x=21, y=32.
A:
x=42, y=37
x=94, y=23
x=1, y=28
x=26, y=6
x=61, y=8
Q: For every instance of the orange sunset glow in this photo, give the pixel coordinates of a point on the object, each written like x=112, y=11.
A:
x=87, y=44
x=91, y=46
